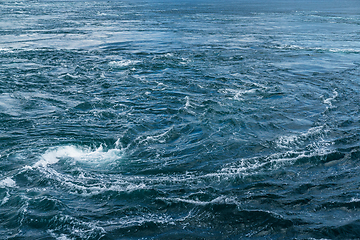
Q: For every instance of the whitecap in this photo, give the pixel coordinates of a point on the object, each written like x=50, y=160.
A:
x=79, y=154
x=297, y=140
x=7, y=182
x=329, y=100
x=123, y=63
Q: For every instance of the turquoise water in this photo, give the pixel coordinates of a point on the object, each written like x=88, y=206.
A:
x=179, y=119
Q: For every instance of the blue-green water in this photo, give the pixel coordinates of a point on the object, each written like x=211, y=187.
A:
x=179, y=119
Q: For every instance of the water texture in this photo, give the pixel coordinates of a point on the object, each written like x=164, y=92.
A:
x=179, y=119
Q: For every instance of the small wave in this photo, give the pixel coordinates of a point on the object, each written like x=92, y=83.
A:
x=218, y=200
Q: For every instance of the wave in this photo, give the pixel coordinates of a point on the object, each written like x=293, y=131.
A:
x=123, y=63
x=7, y=182
x=317, y=49
x=86, y=155
x=238, y=194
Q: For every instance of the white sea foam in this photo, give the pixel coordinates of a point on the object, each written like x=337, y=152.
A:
x=6, y=50
x=130, y=221
x=7, y=182
x=355, y=199
x=78, y=154
x=218, y=200
x=91, y=185
x=321, y=49
x=329, y=100
x=5, y=199
x=188, y=106
x=248, y=167
x=294, y=140
x=160, y=138
x=76, y=228
x=59, y=236
x=123, y=63
x=238, y=94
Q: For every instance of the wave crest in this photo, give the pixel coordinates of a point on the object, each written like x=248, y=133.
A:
x=79, y=154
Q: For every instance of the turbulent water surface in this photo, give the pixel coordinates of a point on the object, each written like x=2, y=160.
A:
x=179, y=119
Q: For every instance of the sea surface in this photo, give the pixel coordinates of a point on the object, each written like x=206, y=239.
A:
x=153, y=119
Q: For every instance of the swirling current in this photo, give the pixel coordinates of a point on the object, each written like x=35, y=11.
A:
x=153, y=119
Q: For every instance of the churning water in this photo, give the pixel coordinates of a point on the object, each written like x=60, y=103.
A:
x=179, y=119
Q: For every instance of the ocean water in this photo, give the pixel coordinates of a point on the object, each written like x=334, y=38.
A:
x=179, y=119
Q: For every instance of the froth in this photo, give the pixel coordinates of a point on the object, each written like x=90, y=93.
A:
x=122, y=63
x=7, y=182
x=78, y=154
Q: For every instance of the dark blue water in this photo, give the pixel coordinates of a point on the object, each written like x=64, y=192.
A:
x=179, y=119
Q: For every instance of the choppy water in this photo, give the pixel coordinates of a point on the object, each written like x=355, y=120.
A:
x=179, y=119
